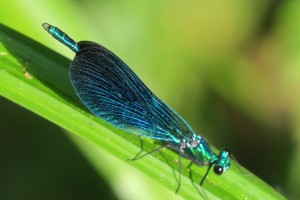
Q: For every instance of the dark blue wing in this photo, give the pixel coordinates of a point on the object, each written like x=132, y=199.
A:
x=111, y=90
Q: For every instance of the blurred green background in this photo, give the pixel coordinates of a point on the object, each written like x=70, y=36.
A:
x=231, y=69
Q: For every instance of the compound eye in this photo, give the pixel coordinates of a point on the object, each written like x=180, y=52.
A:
x=229, y=152
x=218, y=170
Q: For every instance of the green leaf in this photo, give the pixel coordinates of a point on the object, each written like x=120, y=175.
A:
x=36, y=78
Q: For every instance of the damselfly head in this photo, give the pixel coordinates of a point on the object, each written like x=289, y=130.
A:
x=223, y=162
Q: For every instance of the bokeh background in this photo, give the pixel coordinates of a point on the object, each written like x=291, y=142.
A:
x=230, y=68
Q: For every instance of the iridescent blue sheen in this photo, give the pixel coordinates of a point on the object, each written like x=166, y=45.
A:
x=112, y=91
x=61, y=37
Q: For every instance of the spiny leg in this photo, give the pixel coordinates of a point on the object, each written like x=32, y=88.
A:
x=142, y=149
x=203, y=179
x=179, y=173
x=195, y=186
x=191, y=176
x=150, y=152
